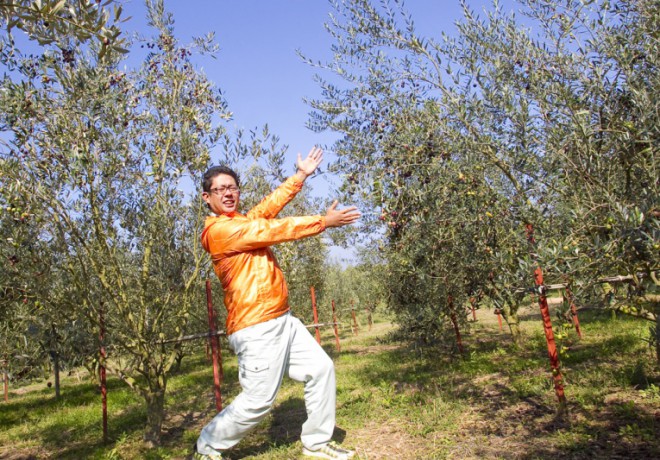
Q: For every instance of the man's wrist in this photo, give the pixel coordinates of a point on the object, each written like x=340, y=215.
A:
x=301, y=176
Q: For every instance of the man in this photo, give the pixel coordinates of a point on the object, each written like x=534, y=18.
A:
x=267, y=339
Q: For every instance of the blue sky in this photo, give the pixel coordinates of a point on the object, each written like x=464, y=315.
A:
x=257, y=67
x=259, y=71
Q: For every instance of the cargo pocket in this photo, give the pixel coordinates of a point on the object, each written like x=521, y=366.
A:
x=253, y=376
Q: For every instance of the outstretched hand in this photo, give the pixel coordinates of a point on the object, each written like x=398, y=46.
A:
x=340, y=217
x=309, y=164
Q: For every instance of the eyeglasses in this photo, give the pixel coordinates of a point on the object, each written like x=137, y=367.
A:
x=223, y=189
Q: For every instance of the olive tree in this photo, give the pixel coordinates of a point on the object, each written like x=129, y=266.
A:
x=418, y=154
x=102, y=153
x=577, y=92
x=30, y=270
x=62, y=23
x=542, y=105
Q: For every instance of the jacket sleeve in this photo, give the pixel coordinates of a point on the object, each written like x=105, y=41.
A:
x=271, y=205
x=241, y=235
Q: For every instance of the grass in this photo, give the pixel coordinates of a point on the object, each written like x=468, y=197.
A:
x=394, y=401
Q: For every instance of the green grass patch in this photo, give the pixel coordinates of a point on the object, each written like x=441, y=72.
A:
x=495, y=401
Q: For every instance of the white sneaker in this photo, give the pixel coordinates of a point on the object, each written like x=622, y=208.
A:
x=198, y=456
x=331, y=451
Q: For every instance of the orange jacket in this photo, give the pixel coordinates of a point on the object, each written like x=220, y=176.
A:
x=254, y=286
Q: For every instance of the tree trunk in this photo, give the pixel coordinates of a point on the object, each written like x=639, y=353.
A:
x=5, y=373
x=657, y=332
x=511, y=317
x=454, y=321
x=56, y=371
x=56, y=365
x=178, y=360
x=155, y=399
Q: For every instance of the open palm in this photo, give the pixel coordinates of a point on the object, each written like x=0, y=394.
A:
x=313, y=160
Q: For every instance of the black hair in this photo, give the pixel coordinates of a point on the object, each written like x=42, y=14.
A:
x=209, y=175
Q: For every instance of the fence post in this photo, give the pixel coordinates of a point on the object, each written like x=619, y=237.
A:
x=574, y=314
x=355, y=324
x=334, y=325
x=499, y=317
x=102, y=376
x=316, y=316
x=547, y=324
x=215, y=348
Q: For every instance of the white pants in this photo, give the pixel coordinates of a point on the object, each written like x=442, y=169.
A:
x=265, y=352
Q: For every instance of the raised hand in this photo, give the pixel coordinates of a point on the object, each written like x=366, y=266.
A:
x=340, y=217
x=309, y=164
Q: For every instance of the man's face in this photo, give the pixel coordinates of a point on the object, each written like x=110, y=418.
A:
x=224, y=195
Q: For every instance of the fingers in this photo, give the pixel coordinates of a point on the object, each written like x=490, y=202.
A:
x=316, y=156
x=352, y=210
x=350, y=217
x=311, y=162
x=315, y=153
x=347, y=221
x=339, y=218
